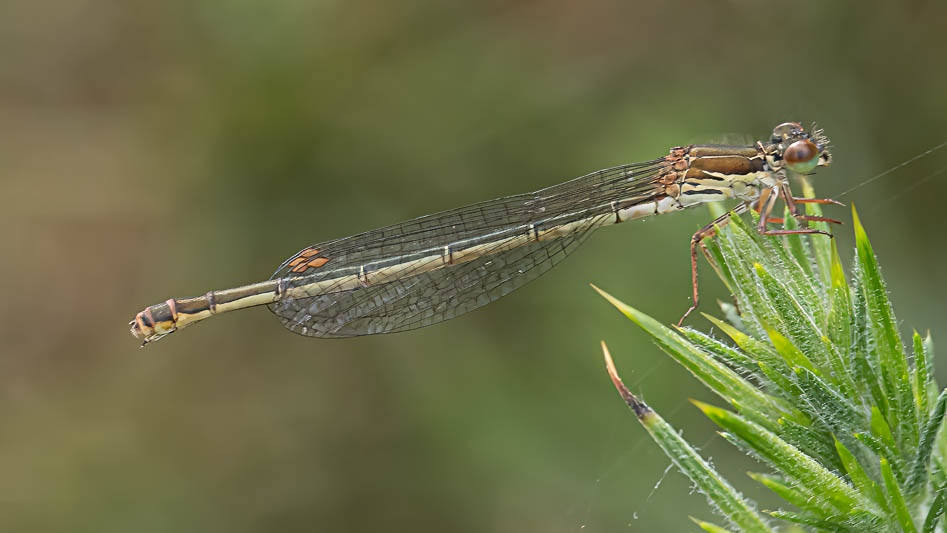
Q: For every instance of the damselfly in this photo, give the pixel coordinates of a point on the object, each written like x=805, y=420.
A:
x=439, y=266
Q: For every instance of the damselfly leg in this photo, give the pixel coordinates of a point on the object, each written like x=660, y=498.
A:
x=764, y=206
x=698, y=240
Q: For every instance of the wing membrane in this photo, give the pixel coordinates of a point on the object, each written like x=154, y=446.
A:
x=424, y=296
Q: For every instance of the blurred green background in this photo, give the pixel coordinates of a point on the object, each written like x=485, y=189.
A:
x=158, y=149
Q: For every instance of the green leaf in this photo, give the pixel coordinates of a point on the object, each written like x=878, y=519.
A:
x=840, y=307
x=809, y=520
x=717, y=376
x=719, y=264
x=866, y=362
x=880, y=429
x=806, y=288
x=786, y=385
x=792, y=355
x=918, y=473
x=921, y=376
x=841, y=371
x=798, y=325
x=718, y=490
x=789, y=460
x=802, y=499
x=882, y=450
x=821, y=246
x=896, y=498
x=860, y=478
x=836, y=411
x=811, y=441
x=799, y=249
x=724, y=353
x=707, y=526
x=762, y=352
x=938, y=507
x=929, y=351
x=739, y=251
x=938, y=472
x=743, y=363
x=887, y=342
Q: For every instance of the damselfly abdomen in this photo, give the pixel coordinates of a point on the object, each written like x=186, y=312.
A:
x=439, y=266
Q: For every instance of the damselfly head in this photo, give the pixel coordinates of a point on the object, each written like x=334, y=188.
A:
x=798, y=150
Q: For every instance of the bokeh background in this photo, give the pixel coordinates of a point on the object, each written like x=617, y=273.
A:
x=158, y=149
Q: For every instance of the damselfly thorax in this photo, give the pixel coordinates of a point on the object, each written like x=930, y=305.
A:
x=439, y=266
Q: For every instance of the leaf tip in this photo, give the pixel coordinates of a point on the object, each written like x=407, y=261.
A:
x=698, y=403
x=624, y=308
x=641, y=409
x=600, y=291
x=707, y=409
x=861, y=236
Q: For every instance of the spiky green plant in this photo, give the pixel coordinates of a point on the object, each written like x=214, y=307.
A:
x=820, y=388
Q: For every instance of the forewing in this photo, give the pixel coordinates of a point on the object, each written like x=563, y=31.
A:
x=434, y=296
x=425, y=296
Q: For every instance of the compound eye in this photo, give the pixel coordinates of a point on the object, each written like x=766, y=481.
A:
x=802, y=156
